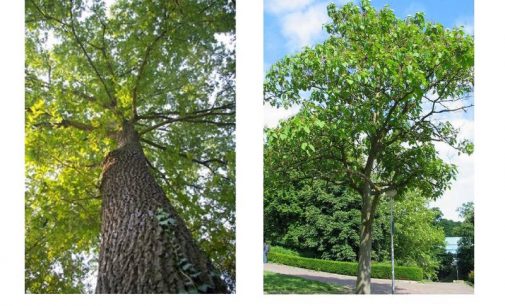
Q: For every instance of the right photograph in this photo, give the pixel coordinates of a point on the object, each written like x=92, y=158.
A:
x=368, y=142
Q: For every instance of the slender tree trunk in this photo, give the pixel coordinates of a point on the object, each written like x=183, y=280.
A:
x=145, y=246
x=363, y=281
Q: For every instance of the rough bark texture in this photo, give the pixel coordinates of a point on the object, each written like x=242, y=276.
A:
x=363, y=280
x=141, y=251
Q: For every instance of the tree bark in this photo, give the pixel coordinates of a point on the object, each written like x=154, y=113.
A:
x=145, y=246
x=363, y=280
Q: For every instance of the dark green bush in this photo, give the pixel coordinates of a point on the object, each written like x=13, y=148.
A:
x=379, y=270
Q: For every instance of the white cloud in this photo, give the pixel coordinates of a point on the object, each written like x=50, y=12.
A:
x=461, y=190
x=304, y=27
x=467, y=24
x=414, y=8
x=462, y=187
x=282, y=6
x=301, y=21
x=272, y=116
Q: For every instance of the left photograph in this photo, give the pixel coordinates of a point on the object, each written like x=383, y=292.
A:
x=130, y=146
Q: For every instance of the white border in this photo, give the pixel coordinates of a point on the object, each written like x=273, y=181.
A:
x=489, y=128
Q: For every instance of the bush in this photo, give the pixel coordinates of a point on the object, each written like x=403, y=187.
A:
x=283, y=251
x=379, y=270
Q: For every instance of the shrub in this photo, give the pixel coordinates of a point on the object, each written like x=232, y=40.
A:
x=379, y=270
x=283, y=251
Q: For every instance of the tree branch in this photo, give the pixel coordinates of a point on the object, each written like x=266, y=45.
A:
x=67, y=123
x=204, y=162
x=141, y=72
x=88, y=57
x=193, y=117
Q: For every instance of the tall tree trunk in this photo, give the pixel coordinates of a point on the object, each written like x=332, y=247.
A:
x=363, y=281
x=145, y=246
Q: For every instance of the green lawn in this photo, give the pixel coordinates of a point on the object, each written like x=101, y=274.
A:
x=275, y=283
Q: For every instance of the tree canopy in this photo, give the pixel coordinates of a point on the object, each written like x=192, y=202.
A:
x=166, y=66
x=374, y=93
x=451, y=227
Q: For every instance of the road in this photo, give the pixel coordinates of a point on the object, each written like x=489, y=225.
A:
x=379, y=286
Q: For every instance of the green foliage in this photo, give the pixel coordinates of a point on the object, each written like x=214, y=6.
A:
x=274, y=283
x=163, y=66
x=451, y=227
x=310, y=218
x=369, y=94
x=446, y=271
x=317, y=218
x=284, y=251
x=418, y=240
x=465, y=253
x=379, y=270
x=321, y=220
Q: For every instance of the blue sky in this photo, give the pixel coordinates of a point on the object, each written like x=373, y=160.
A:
x=290, y=25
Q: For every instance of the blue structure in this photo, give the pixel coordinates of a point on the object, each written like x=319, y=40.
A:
x=451, y=244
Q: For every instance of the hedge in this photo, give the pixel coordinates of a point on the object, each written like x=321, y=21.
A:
x=379, y=270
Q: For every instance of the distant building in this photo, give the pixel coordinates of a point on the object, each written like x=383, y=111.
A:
x=451, y=244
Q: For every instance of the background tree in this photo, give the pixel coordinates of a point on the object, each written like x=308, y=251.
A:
x=465, y=253
x=419, y=240
x=451, y=227
x=316, y=218
x=130, y=109
x=373, y=97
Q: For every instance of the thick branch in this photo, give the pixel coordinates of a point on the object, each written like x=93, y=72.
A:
x=193, y=117
x=205, y=162
x=67, y=123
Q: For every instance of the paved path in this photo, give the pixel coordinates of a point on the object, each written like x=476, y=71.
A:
x=379, y=286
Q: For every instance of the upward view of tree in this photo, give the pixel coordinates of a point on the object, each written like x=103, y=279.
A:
x=130, y=117
x=374, y=98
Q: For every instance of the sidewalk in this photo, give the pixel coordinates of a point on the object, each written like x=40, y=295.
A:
x=379, y=286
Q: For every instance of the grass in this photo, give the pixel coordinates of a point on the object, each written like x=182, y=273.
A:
x=275, y=283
